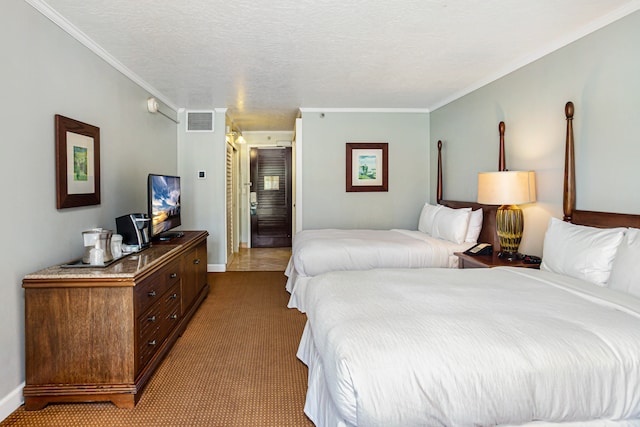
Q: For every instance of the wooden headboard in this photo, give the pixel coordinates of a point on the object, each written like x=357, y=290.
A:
x=488, y=233
x=573, y=215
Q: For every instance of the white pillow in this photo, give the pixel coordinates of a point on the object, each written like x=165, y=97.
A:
x=578, y=251
x=475, y=226
x=451, y=224
x=426, y=217
x=625, y=272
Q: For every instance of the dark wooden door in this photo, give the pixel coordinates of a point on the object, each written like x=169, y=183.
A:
x=270, y=197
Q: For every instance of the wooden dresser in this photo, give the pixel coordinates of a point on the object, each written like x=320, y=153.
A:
x=98, y=334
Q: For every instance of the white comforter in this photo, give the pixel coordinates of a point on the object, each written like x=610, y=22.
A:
x=469, y=348
x=319, y=251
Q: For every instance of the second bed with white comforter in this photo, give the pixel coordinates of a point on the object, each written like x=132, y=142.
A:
x=469, y=347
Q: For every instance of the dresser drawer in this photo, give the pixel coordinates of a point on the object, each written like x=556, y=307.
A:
x=149, y=322
x=148, y=346
x=153, y=287
x=170, y=310
x=149, y=325
x=155, y=324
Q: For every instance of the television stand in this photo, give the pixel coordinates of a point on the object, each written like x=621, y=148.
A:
x=169, y=235
x=106, y=333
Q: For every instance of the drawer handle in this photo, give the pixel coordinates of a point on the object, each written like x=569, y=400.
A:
x=152, y=293
x=151, y=318
x=173, y=296
x=196, y=261
x=152, y=343
x=173, y=316
x=173, y=275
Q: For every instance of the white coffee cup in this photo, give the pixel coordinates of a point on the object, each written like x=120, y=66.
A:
x=116, y=245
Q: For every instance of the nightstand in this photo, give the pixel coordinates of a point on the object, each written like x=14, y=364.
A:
x=488, y=261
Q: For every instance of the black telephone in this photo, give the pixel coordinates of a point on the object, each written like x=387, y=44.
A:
x=480, y=249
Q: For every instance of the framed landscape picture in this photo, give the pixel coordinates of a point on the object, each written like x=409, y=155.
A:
x=367, y=166
x=77, y=163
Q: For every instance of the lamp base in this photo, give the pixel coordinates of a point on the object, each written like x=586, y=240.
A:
x=509, y=226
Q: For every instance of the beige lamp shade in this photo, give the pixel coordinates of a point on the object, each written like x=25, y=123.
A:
x=506, y=187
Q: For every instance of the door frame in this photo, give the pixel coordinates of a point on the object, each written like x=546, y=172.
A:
x=264, y=139
x=289, y=180
x=234, y=197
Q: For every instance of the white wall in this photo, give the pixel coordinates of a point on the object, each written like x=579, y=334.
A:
x=599, y=73
x=46, y=72
x=204, y=200
x=325, y=202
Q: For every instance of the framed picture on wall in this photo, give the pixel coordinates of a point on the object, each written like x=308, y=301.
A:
x=77, y=163
x=367, y=166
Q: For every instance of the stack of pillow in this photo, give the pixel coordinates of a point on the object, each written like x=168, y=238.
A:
x=607, y=257
x=455, y=225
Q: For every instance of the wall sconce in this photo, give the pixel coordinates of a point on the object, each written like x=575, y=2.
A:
x=154, y=107
x=237, y=135
x=508, y=189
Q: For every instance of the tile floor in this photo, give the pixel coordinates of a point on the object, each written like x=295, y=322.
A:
x=260, y=259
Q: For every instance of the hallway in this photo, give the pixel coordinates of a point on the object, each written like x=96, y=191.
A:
x=260, y=259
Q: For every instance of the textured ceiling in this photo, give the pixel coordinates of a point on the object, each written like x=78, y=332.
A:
x=264, y=60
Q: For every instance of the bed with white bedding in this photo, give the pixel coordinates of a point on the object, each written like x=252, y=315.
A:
x=445, y=347
x=559, y=346
x=442, y=229
x=318, y=251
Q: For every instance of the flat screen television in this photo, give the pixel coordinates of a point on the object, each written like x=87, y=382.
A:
x=164, y=206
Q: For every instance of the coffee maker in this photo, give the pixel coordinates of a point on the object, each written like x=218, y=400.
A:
x=97, y=246
x=134, y=229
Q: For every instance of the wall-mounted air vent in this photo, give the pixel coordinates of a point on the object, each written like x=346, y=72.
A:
x=200, y=121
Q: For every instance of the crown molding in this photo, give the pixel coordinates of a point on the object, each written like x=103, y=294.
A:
x=267, y=132
x=363, y=110
x=74, y=32
x=599, y=23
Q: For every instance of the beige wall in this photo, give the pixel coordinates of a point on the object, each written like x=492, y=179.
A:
x=599, y=73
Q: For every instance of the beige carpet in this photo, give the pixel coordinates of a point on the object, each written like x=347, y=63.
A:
x=235, y=365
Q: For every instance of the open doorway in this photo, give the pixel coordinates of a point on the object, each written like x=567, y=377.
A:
x=270, y=199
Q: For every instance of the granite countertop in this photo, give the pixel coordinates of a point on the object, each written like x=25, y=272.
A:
x=125, y=267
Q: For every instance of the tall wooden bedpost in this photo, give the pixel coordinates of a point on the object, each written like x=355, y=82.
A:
x=439, y=188
x=569, y=196
x=501, y=162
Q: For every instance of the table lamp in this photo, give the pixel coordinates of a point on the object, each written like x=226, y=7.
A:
x=507, y=189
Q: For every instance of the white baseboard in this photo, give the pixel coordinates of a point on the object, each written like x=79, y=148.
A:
x=216, y=268
x=11, y=402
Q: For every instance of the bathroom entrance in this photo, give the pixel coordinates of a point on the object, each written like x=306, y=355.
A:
x=270, y=198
